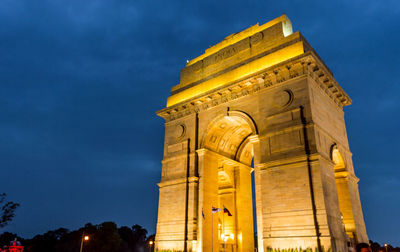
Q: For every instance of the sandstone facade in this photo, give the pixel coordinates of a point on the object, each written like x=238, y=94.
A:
x=263, y=96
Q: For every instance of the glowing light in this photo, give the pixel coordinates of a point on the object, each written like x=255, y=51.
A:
x=86, y=238
x=225, y=237
x=337, y=159
x=151, y=243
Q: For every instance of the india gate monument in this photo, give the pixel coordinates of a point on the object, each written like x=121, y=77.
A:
x=261, y=101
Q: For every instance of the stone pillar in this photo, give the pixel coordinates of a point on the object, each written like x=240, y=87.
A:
x=173, y=200
x=244, y=207
x=192, y=213
x=294, y=210
x=258, y=188
x=333, y=210
x=350, y=207
x=208, y=197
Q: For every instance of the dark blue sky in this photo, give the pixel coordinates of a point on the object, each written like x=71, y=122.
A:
x=80, y=82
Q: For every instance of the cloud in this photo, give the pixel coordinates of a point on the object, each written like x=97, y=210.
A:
x=80, y=82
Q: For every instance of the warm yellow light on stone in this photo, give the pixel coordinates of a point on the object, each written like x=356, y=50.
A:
x=238, y=56
x=231, y=39
x=238, y=73
x=264, y=97
x=337, y=159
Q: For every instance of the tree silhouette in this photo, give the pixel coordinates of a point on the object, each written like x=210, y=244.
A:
x=105, y=237
x=7, y=210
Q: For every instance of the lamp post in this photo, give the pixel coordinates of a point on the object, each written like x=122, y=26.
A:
x=151, y=245
x=386, y=246
x=84, y=238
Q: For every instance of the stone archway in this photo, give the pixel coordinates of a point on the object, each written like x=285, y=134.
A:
x=229, y=135
x=225, y=183
x=344, y=184
x=269, y=77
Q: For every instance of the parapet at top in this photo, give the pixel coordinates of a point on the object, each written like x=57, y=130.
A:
x=236, y=37
x=237, y=56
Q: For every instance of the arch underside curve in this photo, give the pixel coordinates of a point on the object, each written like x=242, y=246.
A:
x=228, y=135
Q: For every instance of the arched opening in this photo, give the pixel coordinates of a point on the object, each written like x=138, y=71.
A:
x=343, y=190
x=337, y=159
x=229, y=151
x=229, y=136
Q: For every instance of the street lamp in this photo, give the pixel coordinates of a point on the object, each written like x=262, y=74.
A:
x=84, y=238
x=151, y=245
x=386, y=246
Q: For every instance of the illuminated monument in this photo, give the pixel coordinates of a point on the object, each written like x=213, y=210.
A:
x=260, y=95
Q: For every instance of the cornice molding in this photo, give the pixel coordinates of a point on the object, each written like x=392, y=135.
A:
x=177, y=181
x=305, y=65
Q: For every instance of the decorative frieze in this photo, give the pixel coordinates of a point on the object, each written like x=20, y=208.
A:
x=306, y=65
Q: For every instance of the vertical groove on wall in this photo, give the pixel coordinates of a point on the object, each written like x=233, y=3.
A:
x=308, y=151
x=196, y=174
x=187, y=196
x=196, y=143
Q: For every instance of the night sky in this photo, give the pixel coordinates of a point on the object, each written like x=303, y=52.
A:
x=80, y=82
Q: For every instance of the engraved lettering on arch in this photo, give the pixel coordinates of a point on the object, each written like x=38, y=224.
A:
x=256, y=38
x=196, y=67
x=225, y=53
